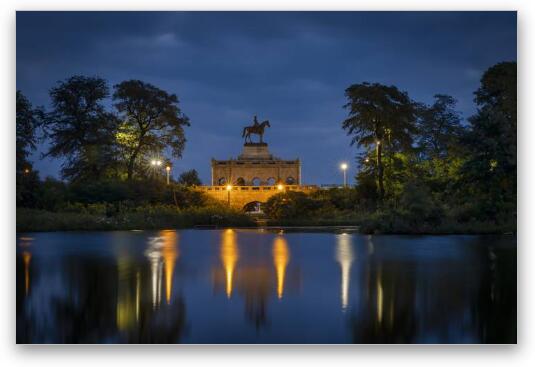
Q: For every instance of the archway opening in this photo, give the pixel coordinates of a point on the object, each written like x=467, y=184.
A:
x=271, y=181
x=290, y=180
x=256, y=181
x=222, y=181
x=254, y=207
x=240, y=182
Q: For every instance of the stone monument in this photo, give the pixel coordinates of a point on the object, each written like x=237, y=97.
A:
x=256, y=166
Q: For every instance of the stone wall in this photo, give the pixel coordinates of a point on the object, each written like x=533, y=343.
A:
x=240, y=196
x=266, y=172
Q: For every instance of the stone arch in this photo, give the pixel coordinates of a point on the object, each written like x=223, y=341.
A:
x=222, y=181
x=256, y=181
x=253, y=207
x=271, y=181
x=290, y=180
x=240, y=181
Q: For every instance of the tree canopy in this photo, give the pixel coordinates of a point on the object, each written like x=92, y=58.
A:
x=27, y=122
x=151, y=121
x=189, y=178
x=79, y=127
x=380, y=116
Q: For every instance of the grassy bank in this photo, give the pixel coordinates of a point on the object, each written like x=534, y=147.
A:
x=33, y=220
x=92, y=218
x=374, y=224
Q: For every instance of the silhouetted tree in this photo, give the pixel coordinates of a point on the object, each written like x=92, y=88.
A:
x=439, y=127
x=379, y=115
x=151, y=122
x=438, y=142
x=490, y=170
x=80, y=129
x=27, y=121
x=189, y=178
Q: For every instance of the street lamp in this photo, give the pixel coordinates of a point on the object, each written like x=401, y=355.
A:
x=280, y=187
x=168, y=171
x=229, y=187
x=343, y=166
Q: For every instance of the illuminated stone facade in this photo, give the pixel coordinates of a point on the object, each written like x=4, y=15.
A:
x=256, y=167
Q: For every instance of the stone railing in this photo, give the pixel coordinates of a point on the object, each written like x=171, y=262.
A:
x=282, y=188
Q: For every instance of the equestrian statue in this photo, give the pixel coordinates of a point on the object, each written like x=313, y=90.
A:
x=256, y=128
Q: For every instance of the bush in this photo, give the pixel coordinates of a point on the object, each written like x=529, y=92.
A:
x=94, y=217
x=290, y=204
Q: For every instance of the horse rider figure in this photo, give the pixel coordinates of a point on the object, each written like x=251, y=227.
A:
x=257, y=128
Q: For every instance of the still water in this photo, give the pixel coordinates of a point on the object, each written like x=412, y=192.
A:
x=255, y=286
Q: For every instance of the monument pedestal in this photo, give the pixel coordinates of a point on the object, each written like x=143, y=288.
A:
x=257, y=151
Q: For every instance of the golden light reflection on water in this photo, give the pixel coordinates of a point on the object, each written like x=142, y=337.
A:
x=229, y=257
x=379, y=296
x=281, y=258
x=26, y=258
x=170, y=254
x=345, y=257
x=127, y=313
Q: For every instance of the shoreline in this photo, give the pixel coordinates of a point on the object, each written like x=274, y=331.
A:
x=206, y=218
x=297, y=229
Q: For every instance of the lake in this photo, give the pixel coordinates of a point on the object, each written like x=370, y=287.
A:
x=260, y=286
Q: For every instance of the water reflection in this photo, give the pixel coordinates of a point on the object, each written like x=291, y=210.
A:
x=229, y=258
x=135, y=287
x=281, y=257
x=345, y=257
x=247, y=269
x=170, y=254
x=26, y=258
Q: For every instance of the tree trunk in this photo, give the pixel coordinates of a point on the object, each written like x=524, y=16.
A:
x=380, y=171
x=131, y=162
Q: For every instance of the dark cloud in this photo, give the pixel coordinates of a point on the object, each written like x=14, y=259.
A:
x=289, y=67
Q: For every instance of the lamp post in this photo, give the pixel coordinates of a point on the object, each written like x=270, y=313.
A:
x=168, y=171
x=157, y=163
x=229, y=187
x=343, y=167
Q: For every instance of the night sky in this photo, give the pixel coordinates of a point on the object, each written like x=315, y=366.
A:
x=289, y=67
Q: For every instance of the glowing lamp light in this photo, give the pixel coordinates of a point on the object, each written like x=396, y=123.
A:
x=343, y=166
x=280, y=187
x=158, y=163
x=168, y=168
x=378, y=142
x=153, y=162
x=229, y=187
x=367, y=160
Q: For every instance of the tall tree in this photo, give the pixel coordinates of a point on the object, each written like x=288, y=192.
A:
x=151, y=121
x=27, y=122
x=79, y=127
x=490, y=169
x=439, y=127
x=380, y=116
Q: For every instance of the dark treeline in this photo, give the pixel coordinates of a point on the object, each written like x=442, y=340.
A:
x=422, y=168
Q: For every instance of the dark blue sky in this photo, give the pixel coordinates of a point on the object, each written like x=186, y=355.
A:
x=289, y=67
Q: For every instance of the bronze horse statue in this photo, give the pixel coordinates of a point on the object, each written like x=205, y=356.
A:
x=257, y=129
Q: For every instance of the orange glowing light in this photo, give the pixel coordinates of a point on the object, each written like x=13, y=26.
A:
x=229, y=258
x=26, y=258
x=281, y=258
x=170, y=254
